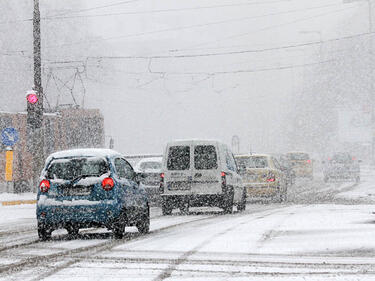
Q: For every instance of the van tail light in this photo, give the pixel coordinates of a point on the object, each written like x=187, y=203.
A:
x=44, y=185
x=161, y=186
x=223, y=181
x=108, y=184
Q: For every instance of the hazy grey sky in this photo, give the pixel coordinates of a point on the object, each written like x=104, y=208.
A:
x=149, y=101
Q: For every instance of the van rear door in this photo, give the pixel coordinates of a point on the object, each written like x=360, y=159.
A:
x=178, y=174
x=205, y=171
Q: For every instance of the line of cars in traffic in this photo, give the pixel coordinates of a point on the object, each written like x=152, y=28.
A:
x=84, y=188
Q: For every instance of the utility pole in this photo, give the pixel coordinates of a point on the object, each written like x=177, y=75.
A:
x=37, y=132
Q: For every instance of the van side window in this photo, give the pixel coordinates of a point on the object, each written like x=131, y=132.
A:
x=231, y=164
x=178, y=158
x=205, y=157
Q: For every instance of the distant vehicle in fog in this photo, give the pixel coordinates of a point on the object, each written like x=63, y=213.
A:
x=287, y=168
x=302, y=164
x=200, y=173
x=150, y=169
x=263, y=176
x=341, y=166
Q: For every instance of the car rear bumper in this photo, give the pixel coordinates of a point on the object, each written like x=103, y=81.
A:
x=261, y=189
x=84, y=215
x=194, y=200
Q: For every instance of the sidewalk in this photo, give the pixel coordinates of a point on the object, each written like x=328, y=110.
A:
x=10, y=199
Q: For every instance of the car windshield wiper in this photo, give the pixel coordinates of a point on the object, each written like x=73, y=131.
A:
x=76, y=179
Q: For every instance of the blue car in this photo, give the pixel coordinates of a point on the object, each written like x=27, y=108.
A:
x=84, y=188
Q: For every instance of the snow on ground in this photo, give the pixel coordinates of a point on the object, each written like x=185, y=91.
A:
x=365, y=190
x=300, y=242
x=17, y=196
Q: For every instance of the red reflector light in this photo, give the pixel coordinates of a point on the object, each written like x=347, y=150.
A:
x=108, y=184
x=44, y=185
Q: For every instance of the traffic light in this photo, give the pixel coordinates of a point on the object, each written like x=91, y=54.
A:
x=34, y=110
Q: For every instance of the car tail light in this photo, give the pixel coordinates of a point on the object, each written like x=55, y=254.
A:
x=353, y=158
x=44, y=185
x=108, y=184
x=161, y=186
x=271, y=178
x=309, y=161
x=223, y=180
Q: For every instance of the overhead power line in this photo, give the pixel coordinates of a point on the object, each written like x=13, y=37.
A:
x=271, y=27
x=193, y=26
x=96, y=8
x=56, y=17
x=236, y=52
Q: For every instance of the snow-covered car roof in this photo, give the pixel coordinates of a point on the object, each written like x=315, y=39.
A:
x=137, y=167
x=252, y=155
x=84, y=152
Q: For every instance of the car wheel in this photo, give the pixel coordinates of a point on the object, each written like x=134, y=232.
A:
x=44, y=232
x=184, y=208
x=72, y=230
x=166, y=208
x=228, y=203
x=118, y=227
x=143, y=224
x=242, y=205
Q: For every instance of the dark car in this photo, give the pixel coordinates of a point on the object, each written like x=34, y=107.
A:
x=341, y=166
x=90, y=188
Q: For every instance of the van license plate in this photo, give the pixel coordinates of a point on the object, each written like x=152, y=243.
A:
x=179, y=186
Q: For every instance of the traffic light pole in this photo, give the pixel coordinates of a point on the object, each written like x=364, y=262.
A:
x=37, y=132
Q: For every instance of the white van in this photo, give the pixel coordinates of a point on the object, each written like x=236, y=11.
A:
x=200, y=173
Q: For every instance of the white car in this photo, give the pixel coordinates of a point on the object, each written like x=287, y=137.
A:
x=150, y=169
x=200, y=173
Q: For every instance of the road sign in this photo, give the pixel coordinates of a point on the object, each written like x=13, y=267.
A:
x=9, y=136
x=9, y=165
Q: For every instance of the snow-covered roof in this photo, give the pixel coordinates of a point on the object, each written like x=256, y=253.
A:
x=151, y=159
x=183, y=141
x=252, y=155
x=82, y=152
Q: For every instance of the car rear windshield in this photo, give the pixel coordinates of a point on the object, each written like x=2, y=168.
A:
x=205, y=157
x=341, y=158
x=298, y=156
x=258, y=162
x=150, y=166
x=68, y=169
x=178, y=158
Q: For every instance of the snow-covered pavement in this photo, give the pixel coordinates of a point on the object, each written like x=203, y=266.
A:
x=298, y=242
x=324, y=232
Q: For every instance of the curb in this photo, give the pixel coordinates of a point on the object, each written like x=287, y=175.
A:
x=17, y=202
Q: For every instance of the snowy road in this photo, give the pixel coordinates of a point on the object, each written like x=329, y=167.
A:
x=267, y=242
x=323, y=232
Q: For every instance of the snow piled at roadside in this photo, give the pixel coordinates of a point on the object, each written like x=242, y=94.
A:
x=365, y=190
x=17, y=196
